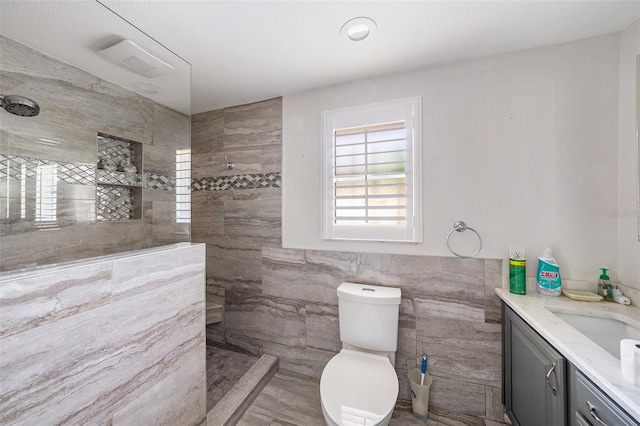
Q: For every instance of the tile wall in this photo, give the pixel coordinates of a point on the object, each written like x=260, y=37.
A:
x=236, y=212
x=74, y=107
x=283, y=301
x=102, y=341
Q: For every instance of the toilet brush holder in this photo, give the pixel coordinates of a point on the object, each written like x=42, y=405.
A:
x=419, y=393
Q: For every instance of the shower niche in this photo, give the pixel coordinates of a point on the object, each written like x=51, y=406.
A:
x=119, y=179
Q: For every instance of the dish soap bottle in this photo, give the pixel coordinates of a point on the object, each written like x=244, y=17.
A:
x=548, y=278
x=604, y=284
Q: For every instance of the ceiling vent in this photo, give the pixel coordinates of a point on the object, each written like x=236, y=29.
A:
x=134, y=58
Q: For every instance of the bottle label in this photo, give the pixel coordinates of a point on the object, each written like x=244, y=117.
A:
x=549, y=281
x=549, y=275
x=517, y=276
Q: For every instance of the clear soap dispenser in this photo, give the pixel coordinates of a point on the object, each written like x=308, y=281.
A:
x=604, y=285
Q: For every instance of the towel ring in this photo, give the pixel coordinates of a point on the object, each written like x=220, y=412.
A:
x=460, y=226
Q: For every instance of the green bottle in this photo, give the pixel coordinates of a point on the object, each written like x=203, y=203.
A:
x=518, y=276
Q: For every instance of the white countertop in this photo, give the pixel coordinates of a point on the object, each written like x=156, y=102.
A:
x=596, y=363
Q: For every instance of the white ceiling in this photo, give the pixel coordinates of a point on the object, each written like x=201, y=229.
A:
x=244, y=51
x=74, y=32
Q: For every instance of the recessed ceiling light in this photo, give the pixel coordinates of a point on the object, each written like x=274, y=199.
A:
x=357, y=29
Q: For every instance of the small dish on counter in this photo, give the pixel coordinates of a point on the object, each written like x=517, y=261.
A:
x=582, y=295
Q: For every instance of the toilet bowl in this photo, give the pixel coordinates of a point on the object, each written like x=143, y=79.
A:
x=358, y=388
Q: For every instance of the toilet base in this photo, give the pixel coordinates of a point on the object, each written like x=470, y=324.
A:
x=329, y=422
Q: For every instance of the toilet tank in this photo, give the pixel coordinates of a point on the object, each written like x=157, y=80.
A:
x=368, y=316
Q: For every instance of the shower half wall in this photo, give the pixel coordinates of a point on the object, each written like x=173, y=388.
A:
x=112, y=340
x=48, y=163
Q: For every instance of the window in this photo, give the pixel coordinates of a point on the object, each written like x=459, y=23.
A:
x=23, y=191
x=183, y=186
x=46, y=192
x=372, y=172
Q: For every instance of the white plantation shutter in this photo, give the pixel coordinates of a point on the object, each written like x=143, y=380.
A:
x=372, y=172
x=46, y=193
x=369, y=175
x=183, y=186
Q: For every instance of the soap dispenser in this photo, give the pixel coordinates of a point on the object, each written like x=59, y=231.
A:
x=604, y=285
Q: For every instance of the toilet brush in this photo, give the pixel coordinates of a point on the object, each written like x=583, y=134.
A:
x=423, y=369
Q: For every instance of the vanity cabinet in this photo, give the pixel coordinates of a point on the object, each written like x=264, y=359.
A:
x=589, y=406
x=534, y=375
x=540, y=387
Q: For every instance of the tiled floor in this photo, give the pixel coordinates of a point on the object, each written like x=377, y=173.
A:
x=288, y=401
x=224, y=369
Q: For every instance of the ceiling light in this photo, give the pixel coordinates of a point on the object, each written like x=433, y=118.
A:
x=357, y=29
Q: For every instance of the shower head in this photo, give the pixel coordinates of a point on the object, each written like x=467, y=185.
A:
x=19, y=105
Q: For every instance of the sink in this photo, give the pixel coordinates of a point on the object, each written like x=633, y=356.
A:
x=605, y=332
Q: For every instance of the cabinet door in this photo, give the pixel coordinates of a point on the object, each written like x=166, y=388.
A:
x=534, y=375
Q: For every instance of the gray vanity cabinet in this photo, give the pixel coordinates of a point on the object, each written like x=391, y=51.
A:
x=534, y=375
x=589, y=406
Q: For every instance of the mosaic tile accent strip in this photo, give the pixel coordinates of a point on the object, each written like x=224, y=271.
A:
x=118, y=178
x=155, y=181
x=11, y=166
x=226, y=183
x=18, y=168
x=83, y=174
x=113, y=203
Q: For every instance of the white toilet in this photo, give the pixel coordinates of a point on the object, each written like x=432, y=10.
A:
x=359, y=385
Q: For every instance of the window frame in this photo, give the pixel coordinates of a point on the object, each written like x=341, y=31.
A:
x=183, y=185
x=408, y=110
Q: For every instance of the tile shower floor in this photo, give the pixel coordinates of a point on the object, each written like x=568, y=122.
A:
x=224, y=369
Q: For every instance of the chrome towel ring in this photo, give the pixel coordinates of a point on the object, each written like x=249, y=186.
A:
x=460, y=226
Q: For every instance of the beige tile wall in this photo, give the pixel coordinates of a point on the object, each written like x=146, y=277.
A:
x=116, y=340
x=236, y=223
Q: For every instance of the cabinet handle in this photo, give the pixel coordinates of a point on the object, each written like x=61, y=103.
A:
x=553, y=389
x=594, y=413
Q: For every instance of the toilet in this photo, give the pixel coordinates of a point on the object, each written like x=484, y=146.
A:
x=359, y=385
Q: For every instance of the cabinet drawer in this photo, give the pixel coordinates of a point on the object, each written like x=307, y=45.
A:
x=595, y=407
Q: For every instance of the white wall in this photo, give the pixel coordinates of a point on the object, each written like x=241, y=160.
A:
x=629, y=247
x=523, y=147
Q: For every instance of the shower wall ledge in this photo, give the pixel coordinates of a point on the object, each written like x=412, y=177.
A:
x=44, y=269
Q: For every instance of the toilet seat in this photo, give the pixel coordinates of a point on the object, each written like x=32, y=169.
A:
x=358, y=384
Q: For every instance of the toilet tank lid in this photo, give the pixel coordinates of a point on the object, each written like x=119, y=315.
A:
x=372, y=294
